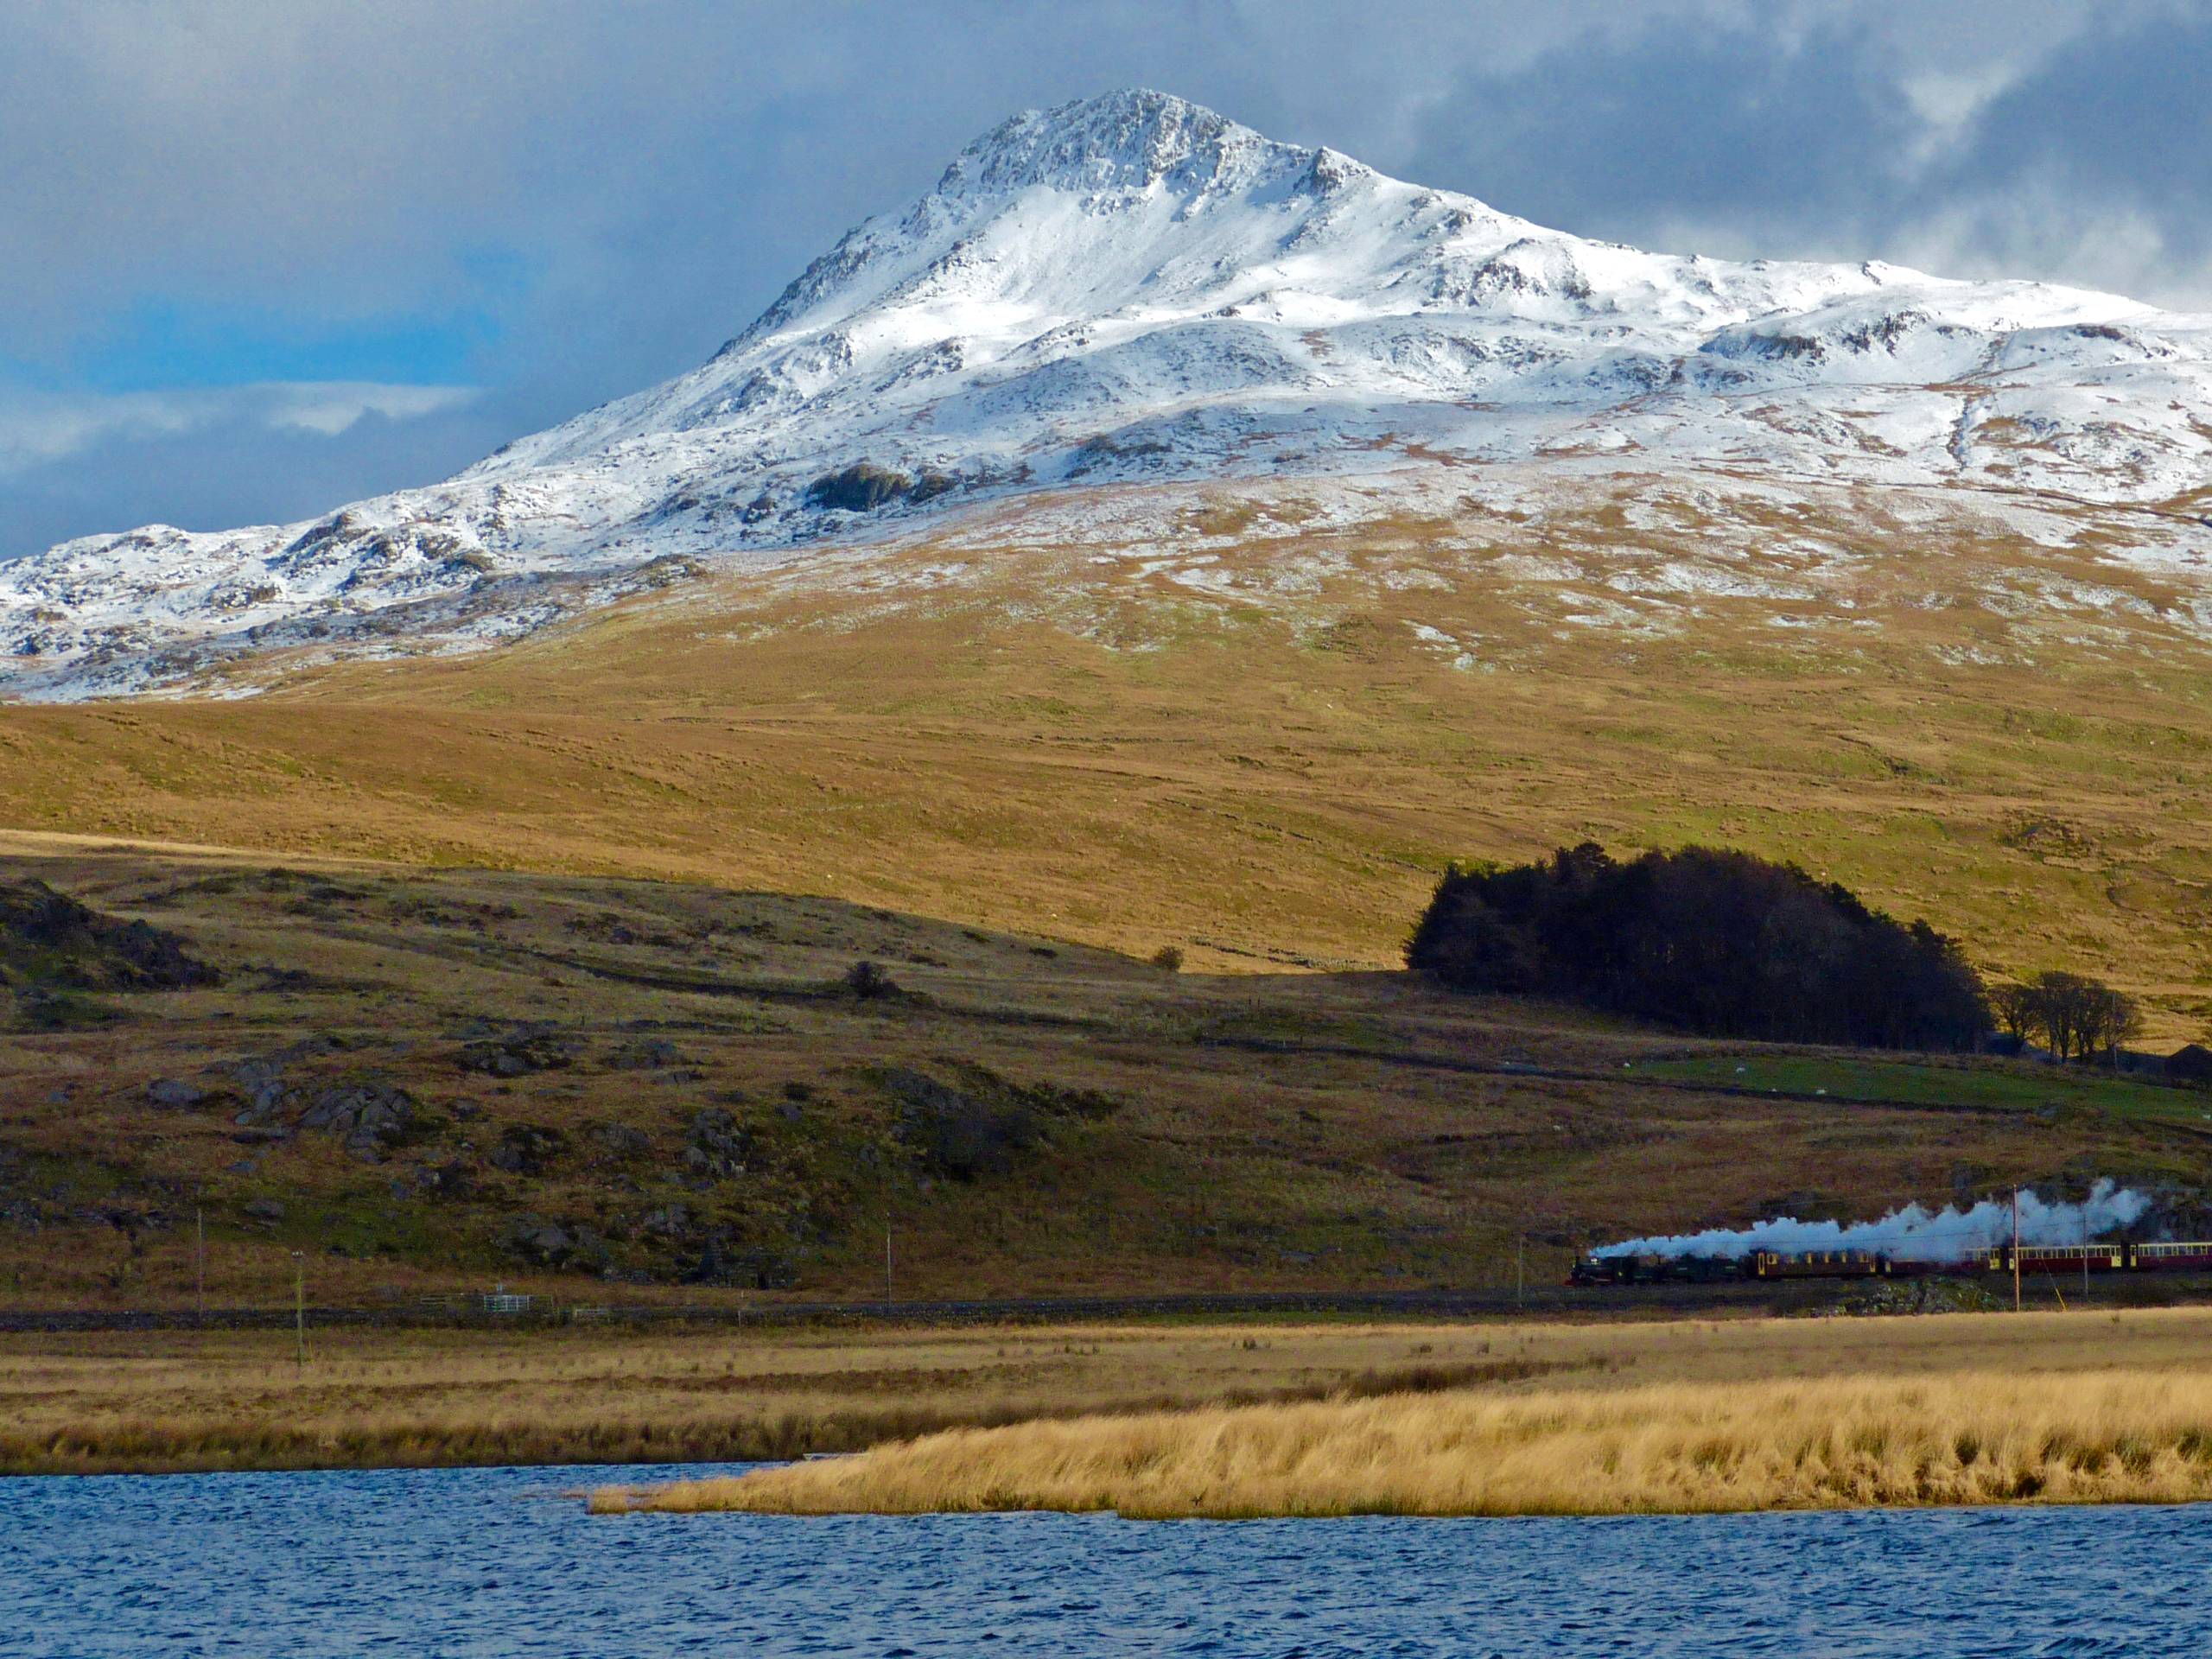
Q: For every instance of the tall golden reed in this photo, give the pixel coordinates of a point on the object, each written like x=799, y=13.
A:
x=1983, y=1437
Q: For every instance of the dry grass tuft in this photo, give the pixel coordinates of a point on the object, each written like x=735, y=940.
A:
x=1988, y=1437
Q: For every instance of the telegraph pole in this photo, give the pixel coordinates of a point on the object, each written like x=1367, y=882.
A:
x=1519, y=1270
x=200, y=1222
x=300, y=1307
x=886, y=1264
x=2016, y=1249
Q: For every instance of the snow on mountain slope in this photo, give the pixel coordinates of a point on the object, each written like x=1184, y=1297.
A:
x=1133, y=289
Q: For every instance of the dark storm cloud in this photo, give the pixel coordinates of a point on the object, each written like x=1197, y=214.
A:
x=2122, y=118
x=1720, y=126
x=2050, y=142
x=560, y=202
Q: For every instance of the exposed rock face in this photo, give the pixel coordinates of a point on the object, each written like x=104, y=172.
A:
x=721, y=1261
x=173, y=1094
x=265, y=1080
x=366, y=1110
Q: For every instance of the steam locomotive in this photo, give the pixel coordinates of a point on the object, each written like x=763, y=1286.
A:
x=2118, y=1256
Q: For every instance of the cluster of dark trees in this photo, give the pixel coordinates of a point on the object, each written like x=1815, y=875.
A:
x=1705, y=940
x=2070, y=1014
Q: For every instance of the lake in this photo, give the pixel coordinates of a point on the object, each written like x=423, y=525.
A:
x=483, y=1561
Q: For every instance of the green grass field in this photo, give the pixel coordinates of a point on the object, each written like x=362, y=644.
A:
x=2014, y=1086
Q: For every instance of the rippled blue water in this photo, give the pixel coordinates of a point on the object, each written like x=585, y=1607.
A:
x=494, y=1561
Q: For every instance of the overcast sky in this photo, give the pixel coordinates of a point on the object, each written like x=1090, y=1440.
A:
x=258, y=259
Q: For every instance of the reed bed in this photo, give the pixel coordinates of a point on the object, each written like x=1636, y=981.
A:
x=2115, y=1435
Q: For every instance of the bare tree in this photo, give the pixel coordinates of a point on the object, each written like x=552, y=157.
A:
x=2015, y=1008
x=2075, y=1015
x=2109, y=1018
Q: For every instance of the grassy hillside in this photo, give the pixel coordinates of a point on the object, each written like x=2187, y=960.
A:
x=426, y=1080
x=1265, y=756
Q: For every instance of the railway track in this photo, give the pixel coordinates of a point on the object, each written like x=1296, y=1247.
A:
x=1545, y=1301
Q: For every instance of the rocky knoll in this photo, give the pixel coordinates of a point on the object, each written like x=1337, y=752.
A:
x=50, y=941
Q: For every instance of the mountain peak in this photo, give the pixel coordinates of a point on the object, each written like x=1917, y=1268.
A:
x=1131, y=289
x=1130, y=139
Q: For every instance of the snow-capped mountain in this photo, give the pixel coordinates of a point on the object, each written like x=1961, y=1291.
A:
x=1131, y=289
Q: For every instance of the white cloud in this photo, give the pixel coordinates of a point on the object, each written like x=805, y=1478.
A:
x=39, y=428
x=617, y=189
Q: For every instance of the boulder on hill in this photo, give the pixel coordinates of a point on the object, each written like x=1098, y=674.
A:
x=49, y=939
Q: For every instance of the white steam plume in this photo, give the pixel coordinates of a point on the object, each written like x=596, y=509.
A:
x=1914, y=1234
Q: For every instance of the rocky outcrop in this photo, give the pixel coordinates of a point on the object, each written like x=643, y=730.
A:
x=544, y=1242
x=49, y=939
x=526, y=1148
x=648, y=1054
x=982, y=1125
x=717, y=1148
x=366, y=1112
x=519, y=1053
x=618, y=1141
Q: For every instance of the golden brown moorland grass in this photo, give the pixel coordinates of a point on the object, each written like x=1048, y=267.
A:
x=2110, y=1436
x=1682, y=1416
x=1269, y=772
x=177, y=1401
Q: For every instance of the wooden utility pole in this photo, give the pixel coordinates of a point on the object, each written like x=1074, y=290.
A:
x=2016, y=1249
x=886, y=1264
x=1519, y=1270
x=200, y=1282
x=300, y=1307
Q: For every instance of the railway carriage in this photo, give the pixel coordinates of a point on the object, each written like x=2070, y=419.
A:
x=2194, y=1256
x=2055, y=1260
x=2059, y=1258
x=1819, y=1264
